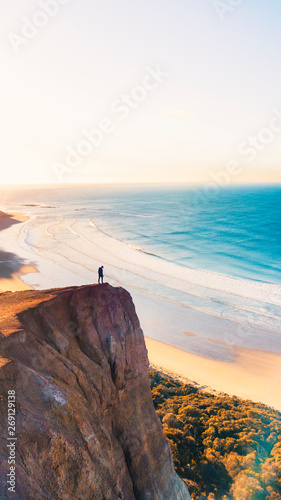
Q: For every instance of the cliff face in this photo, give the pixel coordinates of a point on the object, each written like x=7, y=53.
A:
x=85, y=422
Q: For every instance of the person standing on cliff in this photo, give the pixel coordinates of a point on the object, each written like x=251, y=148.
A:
x=100, y=275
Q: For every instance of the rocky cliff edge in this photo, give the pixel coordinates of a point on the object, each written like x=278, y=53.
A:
x=85, y=422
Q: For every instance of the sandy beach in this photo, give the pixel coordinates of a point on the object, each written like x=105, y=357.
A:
x=11, y=266
x=254, y=375
x=8, y=219
x=15, y=283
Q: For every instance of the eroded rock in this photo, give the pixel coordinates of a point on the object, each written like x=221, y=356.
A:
x=85, y=422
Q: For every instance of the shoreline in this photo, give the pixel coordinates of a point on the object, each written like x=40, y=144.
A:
x=212, y=351
x=10, y=279
x=254, y=375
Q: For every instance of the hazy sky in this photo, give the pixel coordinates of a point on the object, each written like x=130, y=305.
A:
x=165, y=90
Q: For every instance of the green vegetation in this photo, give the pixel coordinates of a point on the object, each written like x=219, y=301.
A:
x=224, y=448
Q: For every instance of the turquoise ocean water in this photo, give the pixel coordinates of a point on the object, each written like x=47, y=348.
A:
x=236, y=231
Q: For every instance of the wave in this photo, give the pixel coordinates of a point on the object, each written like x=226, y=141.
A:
x=139, y=216
x=252, y=289
x=76, y=247
x=34, y=205
x=140, y=249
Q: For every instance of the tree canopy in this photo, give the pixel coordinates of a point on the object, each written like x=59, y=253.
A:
x=224, y=448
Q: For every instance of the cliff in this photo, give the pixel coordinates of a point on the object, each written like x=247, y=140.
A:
x=85, y=422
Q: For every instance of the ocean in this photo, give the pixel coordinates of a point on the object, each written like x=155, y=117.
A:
x=217, y=253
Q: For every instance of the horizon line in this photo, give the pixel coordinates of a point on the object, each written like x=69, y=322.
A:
x=132, y=183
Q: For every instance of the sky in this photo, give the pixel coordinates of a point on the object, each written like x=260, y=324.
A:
x=140, y=91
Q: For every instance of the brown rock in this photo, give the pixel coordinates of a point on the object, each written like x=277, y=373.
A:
x=85, y=422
